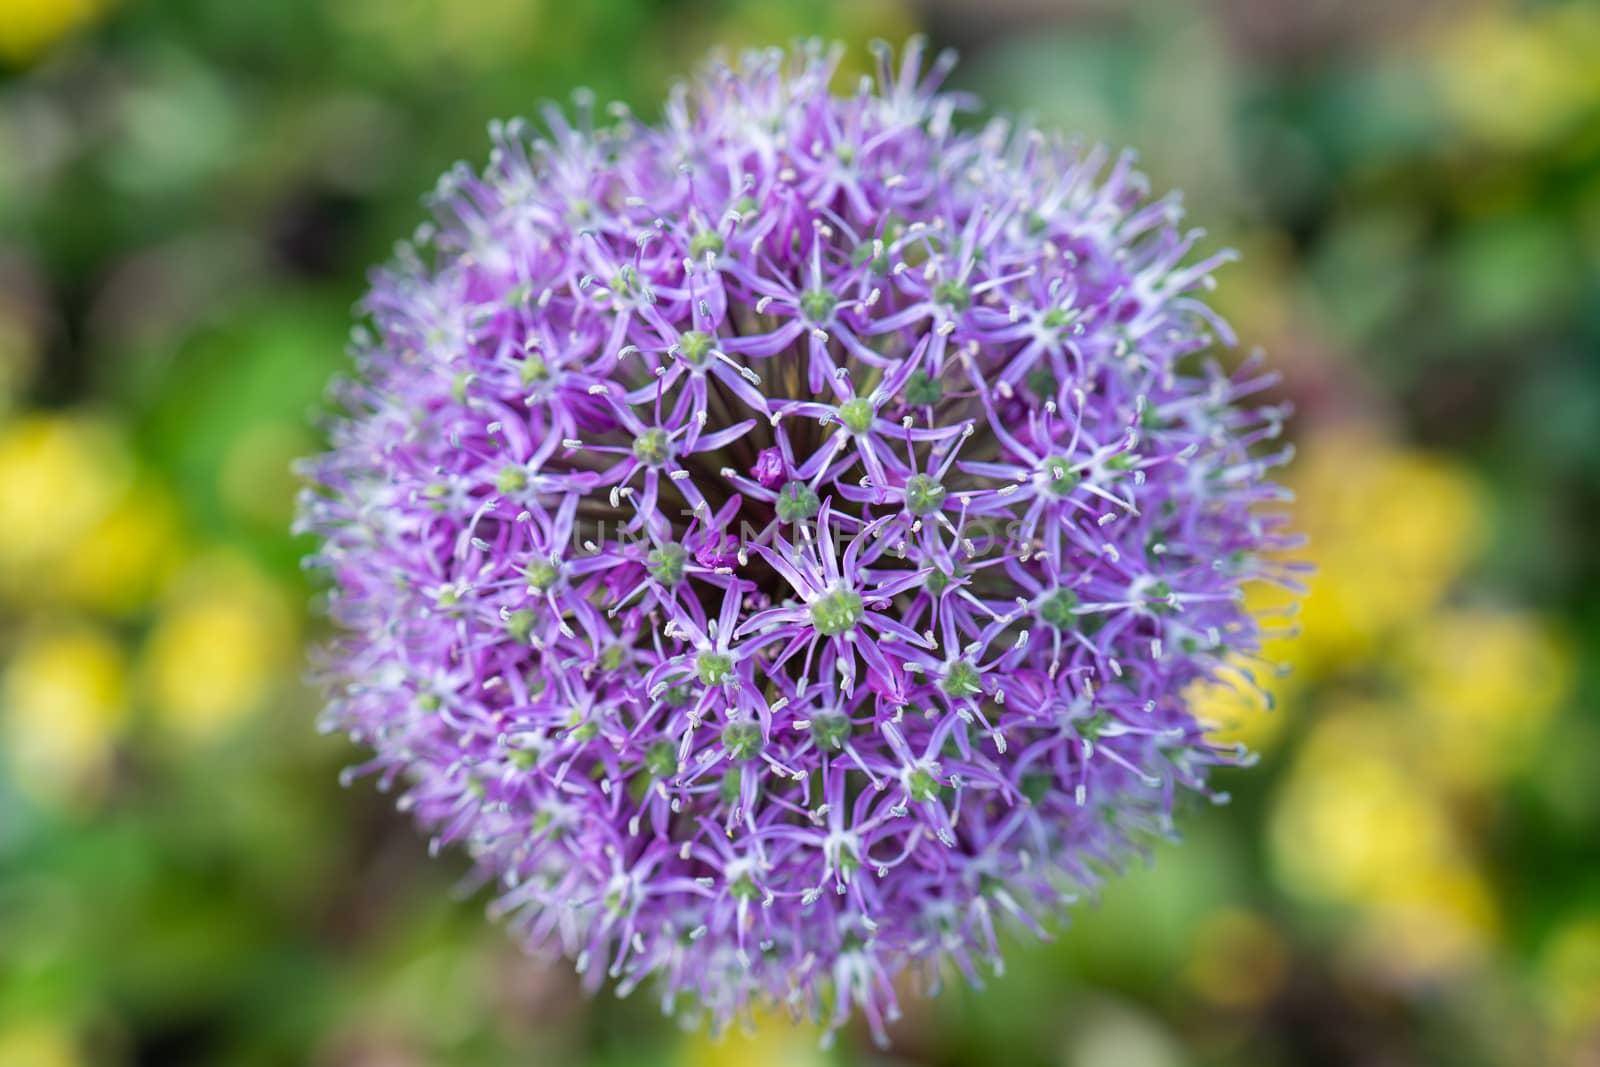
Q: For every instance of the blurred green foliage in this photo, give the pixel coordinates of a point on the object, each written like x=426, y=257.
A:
x=190, y=193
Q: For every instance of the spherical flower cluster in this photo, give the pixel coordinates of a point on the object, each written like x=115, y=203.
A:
x=775, y=542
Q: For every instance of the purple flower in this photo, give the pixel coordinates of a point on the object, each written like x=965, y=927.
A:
x=774, y=543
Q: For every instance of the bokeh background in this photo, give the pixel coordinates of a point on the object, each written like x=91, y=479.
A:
x=190, y=194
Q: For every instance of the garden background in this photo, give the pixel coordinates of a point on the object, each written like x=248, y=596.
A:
x=191, y=192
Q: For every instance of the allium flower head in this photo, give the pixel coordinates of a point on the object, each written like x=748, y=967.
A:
x=774, y=542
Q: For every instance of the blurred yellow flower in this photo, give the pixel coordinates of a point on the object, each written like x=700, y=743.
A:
x=77, y=523
x=29, y=28
x=60, y=475
x=1239, y=960
x=1236, y=705
x=1521, y=79
x=1359, y=825
x=38, y=1044
x=773, y=1041
x=122, y=562
x=1485, y=685
x=65, y=703
x=1354, y=823
x=1389, y=530
x=222, y=643
x=1363, y=820
x=1439, y=923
